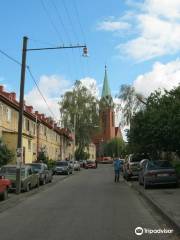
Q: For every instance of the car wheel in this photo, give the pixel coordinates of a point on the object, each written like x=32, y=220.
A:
x=5, y=194
x=44, y=181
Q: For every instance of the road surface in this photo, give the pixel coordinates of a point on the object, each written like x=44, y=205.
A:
x=85, y=206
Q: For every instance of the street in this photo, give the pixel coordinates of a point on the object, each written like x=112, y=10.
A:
x=85, y=206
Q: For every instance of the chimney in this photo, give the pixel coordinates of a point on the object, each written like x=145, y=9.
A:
x=29, y=109
x=1, y=88
x=13, y=96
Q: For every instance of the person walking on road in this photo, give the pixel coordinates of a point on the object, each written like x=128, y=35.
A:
x=117, y=168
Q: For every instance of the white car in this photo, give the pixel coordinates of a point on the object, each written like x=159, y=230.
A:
x=77, y=166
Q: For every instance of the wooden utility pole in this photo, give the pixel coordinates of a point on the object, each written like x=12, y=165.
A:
x=20, y=121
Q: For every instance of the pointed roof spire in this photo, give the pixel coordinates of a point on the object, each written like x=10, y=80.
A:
x=106, y=89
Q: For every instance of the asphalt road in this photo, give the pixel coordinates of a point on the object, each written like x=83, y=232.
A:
x=85, y=206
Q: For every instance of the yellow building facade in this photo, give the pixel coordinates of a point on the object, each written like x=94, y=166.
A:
x=39, y=132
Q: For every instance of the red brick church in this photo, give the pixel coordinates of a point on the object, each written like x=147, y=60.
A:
x=108, y=130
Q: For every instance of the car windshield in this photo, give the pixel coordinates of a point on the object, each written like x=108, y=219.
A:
x=61, y=164
x=36, y=167
x=137, y=157
x=159, y=164
x=11, y=171
x=90, y=162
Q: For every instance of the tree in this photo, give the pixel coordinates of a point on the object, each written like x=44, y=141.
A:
x=131, y=102
x=42, y=156
x=79, y=109
x=156, y=128
x=114, y=147
x=6, y=155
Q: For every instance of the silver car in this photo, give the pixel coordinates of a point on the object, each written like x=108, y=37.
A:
x=159, y=172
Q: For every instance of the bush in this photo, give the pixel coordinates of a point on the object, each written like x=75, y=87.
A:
x=176, y=164
x=6, y=155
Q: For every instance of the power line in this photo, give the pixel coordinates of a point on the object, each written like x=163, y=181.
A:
x=51, y=21
x=33, y=78
x=78, y=18
x=60, y=19
x=70, y=20
x=9, y=57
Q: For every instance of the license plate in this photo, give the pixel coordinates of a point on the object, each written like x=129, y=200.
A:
x=163, y=174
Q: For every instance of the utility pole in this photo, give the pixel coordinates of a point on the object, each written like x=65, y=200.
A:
x=74, y=150
x=20, y=121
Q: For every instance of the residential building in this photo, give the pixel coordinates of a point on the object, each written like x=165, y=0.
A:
x=39, y=132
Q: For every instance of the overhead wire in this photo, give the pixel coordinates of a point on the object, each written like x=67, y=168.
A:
x=78, y=18
x=33, y=78
x=74, y=32
x=51, y=21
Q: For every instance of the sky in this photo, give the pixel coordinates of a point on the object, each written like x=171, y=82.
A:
x=138, y=40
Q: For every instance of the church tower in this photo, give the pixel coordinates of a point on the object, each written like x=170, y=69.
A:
x=107, y=115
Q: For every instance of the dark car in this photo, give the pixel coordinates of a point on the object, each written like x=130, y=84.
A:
x=91, y=164
x=159, y=172
x=45, y=175
x=29, y=179
x=62, y=167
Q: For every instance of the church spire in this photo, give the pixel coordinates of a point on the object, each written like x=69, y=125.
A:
x=106, y=89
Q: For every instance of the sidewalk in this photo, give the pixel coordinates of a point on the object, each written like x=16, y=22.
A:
x=165, y=200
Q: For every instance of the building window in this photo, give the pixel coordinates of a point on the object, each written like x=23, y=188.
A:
x=8, y=114
x=29, y=145
x=34, y=128
x=27, y=125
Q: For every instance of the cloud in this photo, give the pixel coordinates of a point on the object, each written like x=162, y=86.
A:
x=91, y=85
x=113, y=26
x=154, y=25
x=52, y=87
x=162, y=76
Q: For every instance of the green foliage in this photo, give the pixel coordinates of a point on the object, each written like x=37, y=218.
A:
x=156, y=128
x=6, y=155
x=114, y=148
x=80, y=154
x=176, y=164
x=79, y=110
x=42, y=157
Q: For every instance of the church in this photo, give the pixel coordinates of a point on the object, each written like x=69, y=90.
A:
x=108, y=130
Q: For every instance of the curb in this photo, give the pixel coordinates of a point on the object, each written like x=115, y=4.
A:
x=158, y=208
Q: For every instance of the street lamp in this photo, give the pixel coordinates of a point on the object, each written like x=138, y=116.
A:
x=21, y=102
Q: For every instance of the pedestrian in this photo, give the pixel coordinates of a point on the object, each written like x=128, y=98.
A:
x=117, y=168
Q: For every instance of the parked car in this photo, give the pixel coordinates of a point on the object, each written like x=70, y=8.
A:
x=131, y=165
x=91, y=164
x=62, y=167
x=29, y=179
x=71, y=164
x=81, y=163
x=77, y=166
x=5, y=184
x=141, y=171
x=45, y=175
x=85, y=164
x=159, y=172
